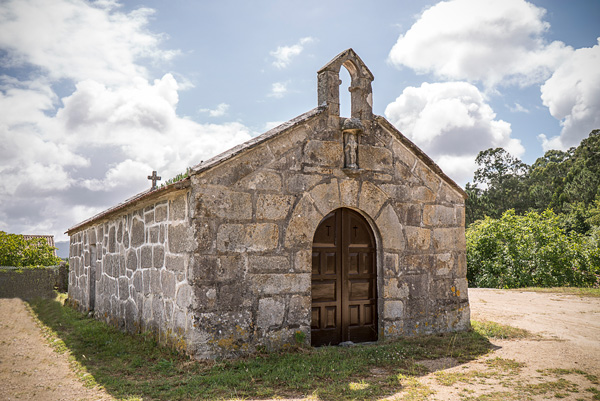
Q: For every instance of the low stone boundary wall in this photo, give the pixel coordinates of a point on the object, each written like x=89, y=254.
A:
x=26, y=283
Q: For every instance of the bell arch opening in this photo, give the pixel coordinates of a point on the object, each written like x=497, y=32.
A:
x=344, y=280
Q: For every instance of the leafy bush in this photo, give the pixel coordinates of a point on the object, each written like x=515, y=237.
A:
x=15, y=250
x=530, y=250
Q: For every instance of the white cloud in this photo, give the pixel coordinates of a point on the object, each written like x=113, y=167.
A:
x=63, y=160
x=572, y=95
x=278, y=89
x=488, y=41
x=78, y=39
x=451, y=122
x=220, y=111
x=517, y=108
x=284, y=54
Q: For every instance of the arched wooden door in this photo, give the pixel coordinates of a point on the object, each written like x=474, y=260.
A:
x=344, y=280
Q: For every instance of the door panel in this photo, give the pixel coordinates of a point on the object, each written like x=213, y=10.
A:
x=344, y=292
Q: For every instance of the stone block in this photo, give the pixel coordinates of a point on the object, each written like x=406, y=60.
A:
x=168, y=283
x=371, y=198
x=153, y=234
x=418, y=285
x=403, y=154
x=180, y=238
x=137, y=233
x=429, y=178
x=223, y=203
x=131, y=261
x=178, y=208
x=233, y=296
x=123, y=288
x=146, y=257
x=349, y=193
x=303, y=261
x=268, y=264
x=438, y=215
x=270, y=313
x=298, y=183
x=262, y=180
x=444, y=264
x=390, y=228
x=449, y=239
x=175, y=263
x=273, y=206
x=149, y=215
x=374, y=158
x=409, y=213
x=138, y=281
x=146, y=281
x=155, y=286
x=324, y=153
x=204, y=269
x=120, y=233
x=448, y=194
x=326, y=196
x=303, y=223
x=393, y=310
x=184, y=297
x=417, y=238
x=275, y=284
x=390, y=265
x=395, y=289
x=299, y=310
x=160, y=212
x=258, y=237
x=158, y=256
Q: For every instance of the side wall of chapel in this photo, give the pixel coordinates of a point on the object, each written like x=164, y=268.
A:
x=131, y=269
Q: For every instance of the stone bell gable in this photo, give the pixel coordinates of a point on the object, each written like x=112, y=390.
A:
x=325, y=228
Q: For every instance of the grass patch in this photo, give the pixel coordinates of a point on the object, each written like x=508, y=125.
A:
x=134, y=366
x=581, y=291
x=501, y=331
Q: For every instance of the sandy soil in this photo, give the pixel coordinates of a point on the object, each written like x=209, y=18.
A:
x=567, y=329
x=567, y=337
x=29, y=368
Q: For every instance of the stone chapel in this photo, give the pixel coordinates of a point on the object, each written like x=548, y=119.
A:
x=324, y=229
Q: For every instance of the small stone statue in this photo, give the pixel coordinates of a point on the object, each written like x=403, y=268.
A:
x=351, y=151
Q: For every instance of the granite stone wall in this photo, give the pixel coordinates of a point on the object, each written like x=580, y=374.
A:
x=255, y=215
x=131, y=269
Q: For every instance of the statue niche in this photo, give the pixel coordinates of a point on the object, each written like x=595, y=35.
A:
x=351, y=128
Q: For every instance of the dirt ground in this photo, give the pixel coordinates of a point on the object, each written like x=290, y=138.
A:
x=558, y=363
x=29, y=368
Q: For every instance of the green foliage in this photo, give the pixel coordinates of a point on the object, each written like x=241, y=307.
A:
x=178, y=177
x=566, y=182
x=530, y=250
x=15, y=250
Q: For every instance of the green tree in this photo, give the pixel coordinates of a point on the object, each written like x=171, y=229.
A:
x=15, y=250
x=547, y=180
x=529, y=250
x=503, y=177
x=582, y=183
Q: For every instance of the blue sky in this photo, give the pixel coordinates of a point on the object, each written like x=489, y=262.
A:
x=96, y=95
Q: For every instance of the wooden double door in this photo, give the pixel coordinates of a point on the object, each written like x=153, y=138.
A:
x=344, y=280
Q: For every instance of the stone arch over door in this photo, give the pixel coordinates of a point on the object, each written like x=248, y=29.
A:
x=344, y=280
